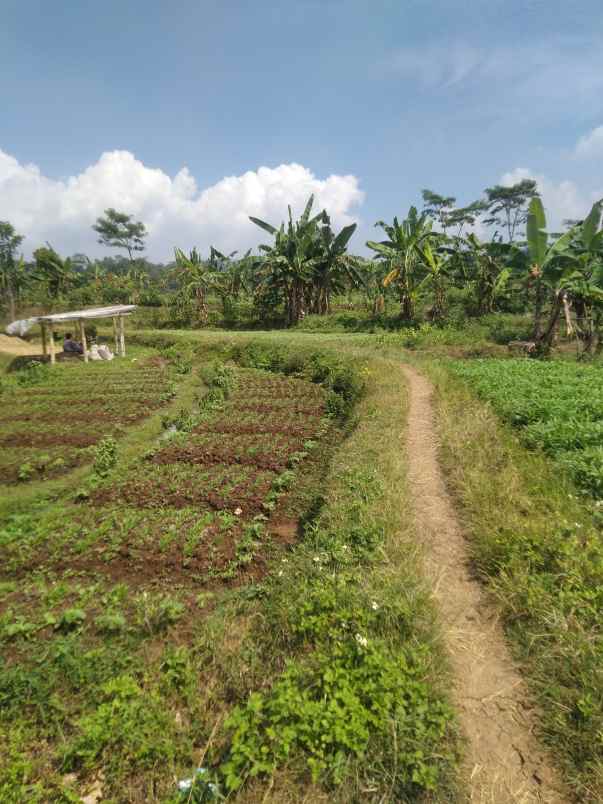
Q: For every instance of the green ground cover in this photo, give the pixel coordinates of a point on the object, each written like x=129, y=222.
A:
x=238, y=593
x=557, y=407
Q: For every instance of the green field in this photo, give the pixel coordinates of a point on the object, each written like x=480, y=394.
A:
x=557, y=407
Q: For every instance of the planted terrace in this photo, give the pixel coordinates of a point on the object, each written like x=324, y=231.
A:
x=51, y=420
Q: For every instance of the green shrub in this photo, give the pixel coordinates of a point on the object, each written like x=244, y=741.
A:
x=503, y=328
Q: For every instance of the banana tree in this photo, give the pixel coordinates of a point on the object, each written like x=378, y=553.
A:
x=581, y=283
x=437, y=264
x=196, y=278
x=401, y=252
x=572, y=268
x=487, y=272
x=286, y=266
x=334, y=267
x=543, y=257
x=57, y=273
x=230, y=276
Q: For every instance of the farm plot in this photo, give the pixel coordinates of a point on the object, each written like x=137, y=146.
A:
x=557, y=407
x=106, y=573
x=142, y=637
x=51, y=419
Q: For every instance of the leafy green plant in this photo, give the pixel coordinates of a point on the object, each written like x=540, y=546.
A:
x=334, y=706
x=155, y=612
x=34, y=373
x=555, y=406
x=105, y=456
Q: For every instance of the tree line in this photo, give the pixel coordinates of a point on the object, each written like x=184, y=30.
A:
x=432, y=257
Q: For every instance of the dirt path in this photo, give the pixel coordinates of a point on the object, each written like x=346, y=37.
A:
x=505, y=764
x=15, y=346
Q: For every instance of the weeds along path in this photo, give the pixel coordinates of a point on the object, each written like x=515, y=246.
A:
x=504, y=762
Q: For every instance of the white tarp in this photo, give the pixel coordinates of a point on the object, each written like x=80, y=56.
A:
x=21, y=327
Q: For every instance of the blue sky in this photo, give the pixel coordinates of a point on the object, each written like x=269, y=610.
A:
x=388, y=96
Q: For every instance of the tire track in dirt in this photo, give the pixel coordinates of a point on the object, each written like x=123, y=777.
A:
x=504, y=762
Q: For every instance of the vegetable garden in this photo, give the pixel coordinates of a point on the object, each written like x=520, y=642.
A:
x=557, y=407
x=165, y=612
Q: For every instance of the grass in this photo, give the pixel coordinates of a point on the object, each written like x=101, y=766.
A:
x=287, y=647
x=537, y=543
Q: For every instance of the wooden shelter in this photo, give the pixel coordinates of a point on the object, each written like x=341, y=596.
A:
x=117, y=312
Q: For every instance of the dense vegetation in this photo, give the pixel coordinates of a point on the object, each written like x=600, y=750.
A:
x=430, y=268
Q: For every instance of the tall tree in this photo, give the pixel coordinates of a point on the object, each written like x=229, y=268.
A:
x=464, y=216
x=10, y=268
x=438, y=207
x=118, y=230
x=507, y=206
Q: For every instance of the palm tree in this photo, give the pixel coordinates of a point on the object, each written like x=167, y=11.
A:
x=401, y=252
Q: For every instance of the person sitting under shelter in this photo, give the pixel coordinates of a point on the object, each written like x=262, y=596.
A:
x=72, y=347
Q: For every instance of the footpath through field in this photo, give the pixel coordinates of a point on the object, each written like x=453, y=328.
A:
x=504, y=761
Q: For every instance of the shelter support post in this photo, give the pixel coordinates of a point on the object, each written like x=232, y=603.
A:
x=122, y=338
x=44, y=340
x=115, y=335
x=83, y=338
x=53, y=357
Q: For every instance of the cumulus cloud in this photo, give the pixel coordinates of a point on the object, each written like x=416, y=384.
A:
x=563, y=199
x=175, y=210
x=590, y=145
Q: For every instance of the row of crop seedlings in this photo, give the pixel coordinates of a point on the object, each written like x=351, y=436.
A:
x=215, y=477
x=51, y=420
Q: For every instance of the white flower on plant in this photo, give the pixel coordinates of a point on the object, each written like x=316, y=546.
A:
x=362, y=640
x=280, y=573
x=374, y=605
x=316, y=559
x=238, y=511
x=345, y=546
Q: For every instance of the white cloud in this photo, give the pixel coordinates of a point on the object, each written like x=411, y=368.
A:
x=175, y=211
x=537, y=76
x=563, y=199
x=590, y=145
